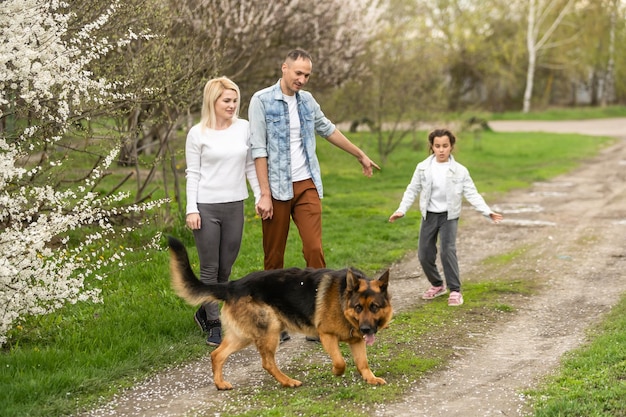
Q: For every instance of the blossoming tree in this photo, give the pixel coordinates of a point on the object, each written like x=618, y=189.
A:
x=45, y=86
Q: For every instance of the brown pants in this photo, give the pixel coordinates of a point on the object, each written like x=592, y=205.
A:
x=306, y=210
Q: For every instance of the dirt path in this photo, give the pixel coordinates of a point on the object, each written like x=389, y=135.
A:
x=571, y=230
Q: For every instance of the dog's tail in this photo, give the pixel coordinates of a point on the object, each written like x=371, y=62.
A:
x=185, y=282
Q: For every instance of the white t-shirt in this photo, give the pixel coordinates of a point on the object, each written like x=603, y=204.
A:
x=299, y=168
x=218, y=162
x=438, y=202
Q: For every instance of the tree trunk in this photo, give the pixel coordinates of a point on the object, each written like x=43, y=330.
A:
x=532, y=57
x=547, y=91
x=595, y=87
x=609, y=77
x=535, y=43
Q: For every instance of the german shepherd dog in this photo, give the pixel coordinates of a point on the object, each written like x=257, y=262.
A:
x=338, y=305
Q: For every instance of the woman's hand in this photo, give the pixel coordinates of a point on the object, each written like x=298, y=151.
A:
x=265, y=209
x=193, y=221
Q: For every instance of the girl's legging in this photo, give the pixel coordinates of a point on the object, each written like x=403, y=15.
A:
x=433, y=226
x=218, y=242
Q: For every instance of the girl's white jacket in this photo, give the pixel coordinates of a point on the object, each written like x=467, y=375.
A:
x=459, y=184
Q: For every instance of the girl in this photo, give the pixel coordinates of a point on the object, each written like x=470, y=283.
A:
x=441, y=183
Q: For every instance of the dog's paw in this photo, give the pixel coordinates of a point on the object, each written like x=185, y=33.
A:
x=223, y=386
x=339, y=370
x=292, y=383
x=376, y=381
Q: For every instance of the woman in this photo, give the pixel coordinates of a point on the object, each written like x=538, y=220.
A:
x=218, y=161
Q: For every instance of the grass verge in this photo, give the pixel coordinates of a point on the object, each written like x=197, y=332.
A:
x=592, y=378
x=569, y=113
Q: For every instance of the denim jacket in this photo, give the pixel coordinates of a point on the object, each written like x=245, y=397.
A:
x=269, y=136
x=459, y=184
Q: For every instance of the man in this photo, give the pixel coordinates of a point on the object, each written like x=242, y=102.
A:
x=283, y=122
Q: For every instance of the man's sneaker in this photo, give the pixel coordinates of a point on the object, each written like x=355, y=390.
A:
x=455, y=299
x=284, y=336
x=201, y=321
x=312, y=339
x=433, y=292
x=215, y=336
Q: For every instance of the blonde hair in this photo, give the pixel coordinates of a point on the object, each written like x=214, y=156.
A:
x=213, y=89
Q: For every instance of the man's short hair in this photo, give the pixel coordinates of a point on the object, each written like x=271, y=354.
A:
x=296, y=54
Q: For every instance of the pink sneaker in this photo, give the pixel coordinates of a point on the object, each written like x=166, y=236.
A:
x=433, y=292
x=455, y=299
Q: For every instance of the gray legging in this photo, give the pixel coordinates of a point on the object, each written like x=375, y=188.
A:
x=433, y=226
x=218, y=241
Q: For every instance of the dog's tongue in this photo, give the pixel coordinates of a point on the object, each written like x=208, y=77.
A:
x=369, y=339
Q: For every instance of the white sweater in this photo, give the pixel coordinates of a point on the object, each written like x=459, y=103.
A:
x=218, y=162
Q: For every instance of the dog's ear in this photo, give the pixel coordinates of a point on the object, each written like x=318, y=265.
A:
x=351, y=280
x=384, y=281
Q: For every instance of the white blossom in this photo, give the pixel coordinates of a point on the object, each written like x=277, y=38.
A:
x=43, y=74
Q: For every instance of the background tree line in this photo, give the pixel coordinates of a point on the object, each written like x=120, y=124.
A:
x=396, y=63
x=381, y=63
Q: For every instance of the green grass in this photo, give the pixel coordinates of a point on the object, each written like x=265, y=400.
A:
x=505, y=258
x=592, y=381
x=569, y=113
x=68, y=358
x=56, y=364
x=548, y=114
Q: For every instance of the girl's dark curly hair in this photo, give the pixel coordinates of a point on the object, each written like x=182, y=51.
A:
x=437, y=133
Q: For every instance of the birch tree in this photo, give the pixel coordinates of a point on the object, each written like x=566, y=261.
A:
x=539, y=33
x=608, y=90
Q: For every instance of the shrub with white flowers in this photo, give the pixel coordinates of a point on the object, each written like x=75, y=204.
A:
x=45, y=84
